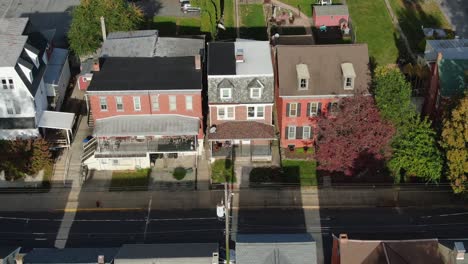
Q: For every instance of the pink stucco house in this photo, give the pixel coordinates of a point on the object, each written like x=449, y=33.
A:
x=331, y=16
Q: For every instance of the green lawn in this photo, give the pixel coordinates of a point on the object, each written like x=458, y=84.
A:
x=170, y=26
x=373, y=25
x=304, y=169
x=222, y=170
x=305, y=6
x=412, y=15
x=253, y=24
x=136, y=178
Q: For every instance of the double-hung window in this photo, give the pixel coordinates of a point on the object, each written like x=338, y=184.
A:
x=255, y=93
x=313, y=109
x=136, y=103
x=103, y=103
x=172, y=103
x=4, y=83
x=188, y=103
x=225, y=112
x=10, y=83
x=255, y=112
x=155, y=102
x=306, y=132
x=293, y=109
x=225, y=93
x=291, y=132
x=119, y=104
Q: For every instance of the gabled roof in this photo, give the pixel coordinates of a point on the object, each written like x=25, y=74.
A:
x=324, y=67
x=275, y=249
x=13, y=26
x=157, y=73
x=450, y=49
x=453, y=77
x=330, y=10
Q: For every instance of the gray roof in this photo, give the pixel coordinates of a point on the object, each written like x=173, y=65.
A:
x=450, y=49
x=141, y=43
x=172, y=47
x=275, y=249
x=257, y=56
x=199, y=253
x=147, y=125
x=69, y=255
x=54, y=67
x=331, y=10
x=14, y=45
x=13, y=26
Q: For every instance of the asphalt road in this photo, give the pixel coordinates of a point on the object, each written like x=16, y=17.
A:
x=113, y=228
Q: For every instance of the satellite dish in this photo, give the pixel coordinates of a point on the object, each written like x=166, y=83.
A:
x=221, y=26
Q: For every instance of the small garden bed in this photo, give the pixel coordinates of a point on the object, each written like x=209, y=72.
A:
x=299, y=153
x=222, y=171
x=131, y=179
x=293, y=172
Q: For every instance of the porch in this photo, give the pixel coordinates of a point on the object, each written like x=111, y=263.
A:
x=240, y=149
x=145, y=144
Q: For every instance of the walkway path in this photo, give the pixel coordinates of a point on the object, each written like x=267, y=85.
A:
x=302, y=20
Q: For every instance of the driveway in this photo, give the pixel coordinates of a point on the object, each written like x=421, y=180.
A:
x=457, y=13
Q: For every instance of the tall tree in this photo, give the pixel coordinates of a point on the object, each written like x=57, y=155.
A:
x=455, y=144
x=356, y=131
x=393, y=95
x=415, y=152
x=85, y=31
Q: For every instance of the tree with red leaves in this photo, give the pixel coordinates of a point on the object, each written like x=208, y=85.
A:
x=354, y=136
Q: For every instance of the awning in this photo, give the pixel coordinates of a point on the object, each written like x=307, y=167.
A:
x=56, y=120
x=146, y=125
x=247, y=130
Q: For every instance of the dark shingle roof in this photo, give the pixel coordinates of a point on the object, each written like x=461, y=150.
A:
x=242, y=130
x=221, y=60
x=129, y=74
x=69, y=255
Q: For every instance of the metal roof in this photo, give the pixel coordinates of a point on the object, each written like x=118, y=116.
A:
x=331, y=10
x=146, y=125
x=450, y=49
x=13, y=26
x=54, y=67
x=69, y=255
x=56, y=120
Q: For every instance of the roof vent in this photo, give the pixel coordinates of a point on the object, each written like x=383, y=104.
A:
x=240, y=55
x=460, y=250
x=100, y=259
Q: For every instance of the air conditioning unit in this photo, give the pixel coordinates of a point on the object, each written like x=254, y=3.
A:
x=215, y=259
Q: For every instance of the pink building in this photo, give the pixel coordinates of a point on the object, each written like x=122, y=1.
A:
x=331, y=16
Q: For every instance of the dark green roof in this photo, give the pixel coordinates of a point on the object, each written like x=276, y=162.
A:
x=453, y=77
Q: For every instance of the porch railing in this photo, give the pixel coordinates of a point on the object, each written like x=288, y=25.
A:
x=154, y=145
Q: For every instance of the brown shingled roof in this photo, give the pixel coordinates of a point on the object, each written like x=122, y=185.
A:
x=324, y=65
x=242, y=130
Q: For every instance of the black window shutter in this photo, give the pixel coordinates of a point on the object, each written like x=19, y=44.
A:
x=329, y=107
x=287, y=109
x=299, y=109
x=286, y=133
x=298, y=132
x=308, y=109
x=319, y=109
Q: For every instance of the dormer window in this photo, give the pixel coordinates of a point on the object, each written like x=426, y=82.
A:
x=255, y=87
x=302, y=76
x=226, y=93
x=348, y=75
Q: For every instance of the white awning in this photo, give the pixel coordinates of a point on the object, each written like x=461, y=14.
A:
x=56, y=120
x=147, y=125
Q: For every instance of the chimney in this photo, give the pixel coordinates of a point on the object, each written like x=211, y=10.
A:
x=343, y=238
x=100, y=259
x=240, y=55
x=197, y=62
x=19, y=259
x=103, y=29
x=215, y=259
x=459, y=250
x=96, y=66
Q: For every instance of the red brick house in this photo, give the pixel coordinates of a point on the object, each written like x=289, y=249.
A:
x=144, y=109
x=310, y=80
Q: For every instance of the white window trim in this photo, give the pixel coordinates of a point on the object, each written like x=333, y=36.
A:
x=11, y=85
x=308, y=134
x=155, y=98
x=175, y=103
x=101, y=104
x=135, y=100
x=255, y=112
x=306, y=84
x=289, y=132
x=346, y=87
x=117, y=104
x=290, y=104
x=229, y=90
x=187, y=101
x=313, y=113
x=226, y=113
x=4, y=85
x=252, y=92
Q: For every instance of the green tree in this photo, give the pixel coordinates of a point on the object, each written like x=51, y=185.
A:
x=415, y=152
x=393, y=95
x=85, y=30
x=455, y=144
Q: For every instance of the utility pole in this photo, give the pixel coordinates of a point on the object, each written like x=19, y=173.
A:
x=226, y=216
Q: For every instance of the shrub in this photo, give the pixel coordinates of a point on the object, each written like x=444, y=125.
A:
x=222, y=171
x=179, y=173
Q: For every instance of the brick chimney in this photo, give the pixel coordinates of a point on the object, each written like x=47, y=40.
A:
x=96, y=66
x=197, y=62
x=343, y=238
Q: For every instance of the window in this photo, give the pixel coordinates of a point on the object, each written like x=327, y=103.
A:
x=291, y=132
x=119, y=104
x=10, y=83
x=188, y=103
x=172, y=103
x=306, y=132
x=255, y=112
x=115, y=162
x=255, y=93
x=4, y=84
x=226, y=93
x=103, y=103
x=10, y=107
x=293, y=109
x=225, y=112
x=333, y=107
x=313, y=109
x=155, y=102
x=303, y=85
x=136, y=103
x=349, y=83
